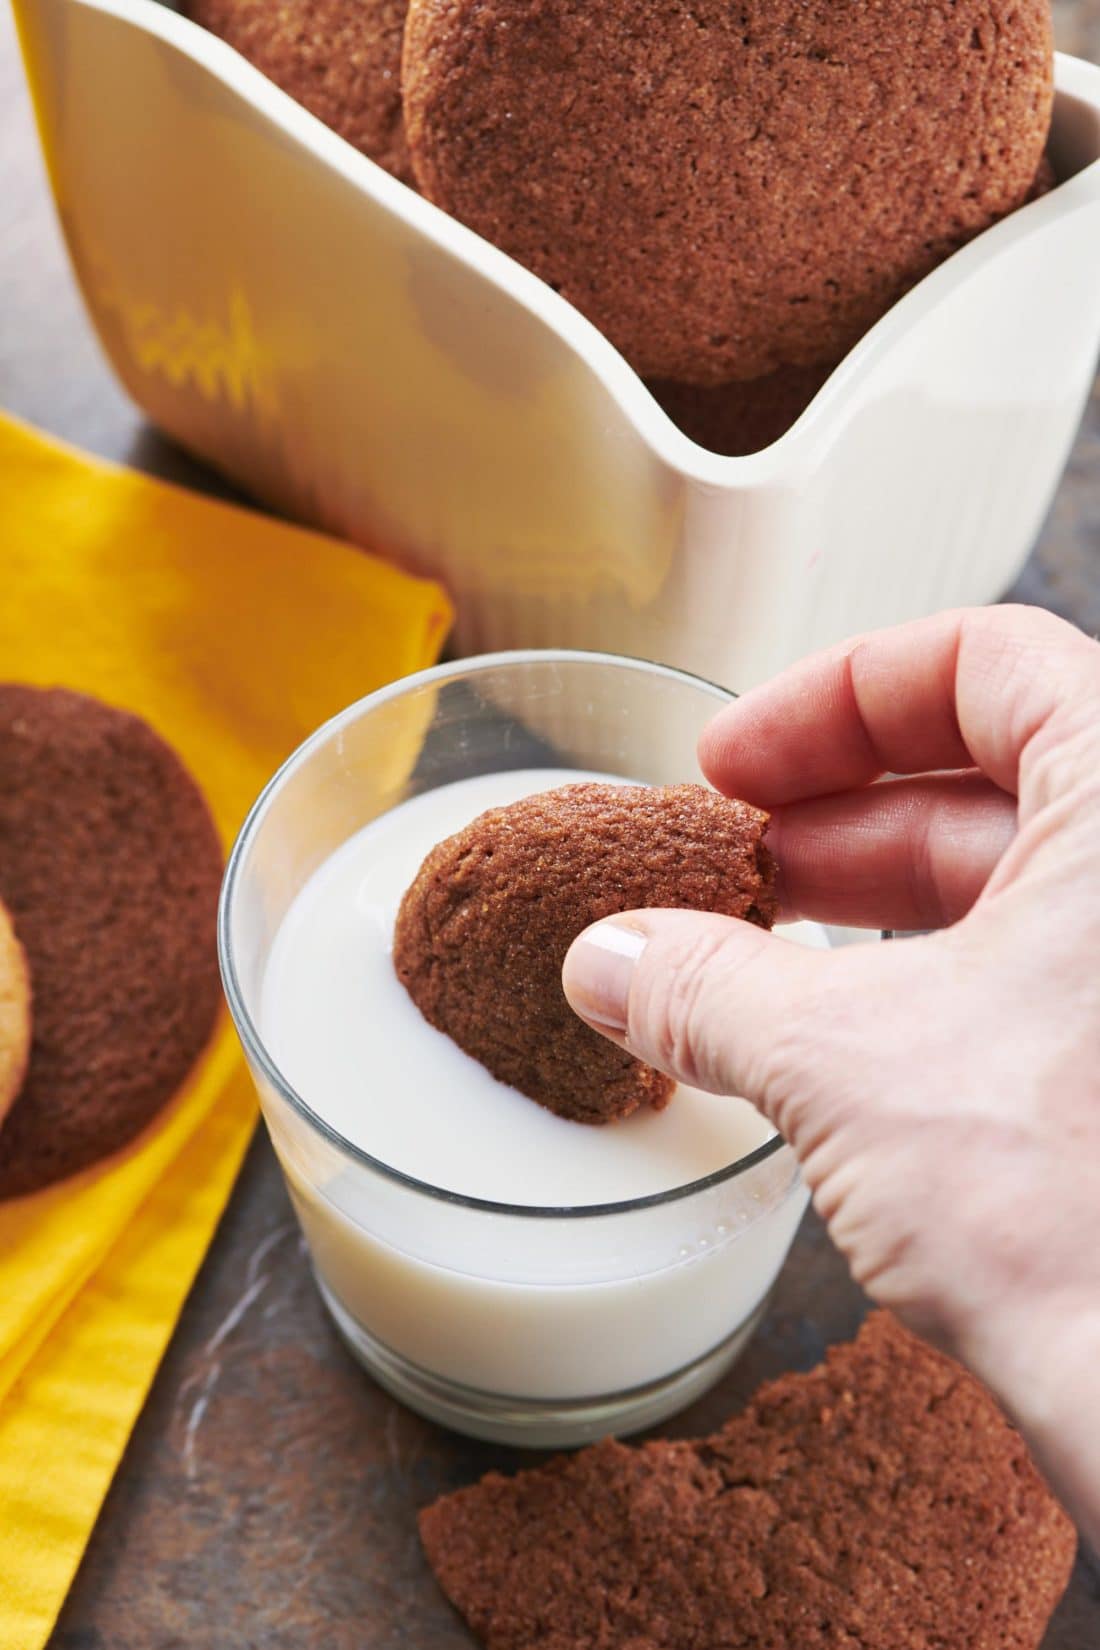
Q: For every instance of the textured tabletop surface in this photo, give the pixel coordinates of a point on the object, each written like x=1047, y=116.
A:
x=268, y=1495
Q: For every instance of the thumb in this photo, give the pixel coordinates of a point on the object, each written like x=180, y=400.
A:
x=722, y=1004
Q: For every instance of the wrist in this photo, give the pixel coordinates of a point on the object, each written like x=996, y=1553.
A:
x=1042, y=1361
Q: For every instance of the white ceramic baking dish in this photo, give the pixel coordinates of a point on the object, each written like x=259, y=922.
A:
x=352, y=356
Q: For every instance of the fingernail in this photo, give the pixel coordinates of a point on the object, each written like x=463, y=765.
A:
x=597, y=972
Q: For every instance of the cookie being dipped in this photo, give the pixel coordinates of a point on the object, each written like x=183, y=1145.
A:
x=727, y=190
x=483, y=930
x=341, y=59
x=110, y=865
x=15, y=1013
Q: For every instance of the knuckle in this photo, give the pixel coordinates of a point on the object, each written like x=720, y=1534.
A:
x=1014, y=617
x=1063, y=760
x=685, y=1032
x=683, y=1014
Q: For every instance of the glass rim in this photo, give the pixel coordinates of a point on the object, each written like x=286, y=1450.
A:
x=252, y=1041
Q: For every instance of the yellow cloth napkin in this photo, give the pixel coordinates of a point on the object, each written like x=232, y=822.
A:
x=234, y=635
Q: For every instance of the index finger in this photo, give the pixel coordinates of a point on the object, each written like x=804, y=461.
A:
x=962, y=689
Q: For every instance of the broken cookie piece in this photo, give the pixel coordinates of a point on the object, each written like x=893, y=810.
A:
x=880, y=1501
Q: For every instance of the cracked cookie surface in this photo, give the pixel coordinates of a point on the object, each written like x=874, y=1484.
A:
x=341, y=59
x=725, y=190
x=880, y=1501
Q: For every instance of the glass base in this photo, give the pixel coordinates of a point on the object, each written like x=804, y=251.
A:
x=536, y=1423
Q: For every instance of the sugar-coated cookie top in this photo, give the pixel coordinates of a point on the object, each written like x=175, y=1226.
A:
x=724, y=189
x=341, y=59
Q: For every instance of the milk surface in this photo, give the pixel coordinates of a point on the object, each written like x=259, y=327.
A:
x=354, y=1046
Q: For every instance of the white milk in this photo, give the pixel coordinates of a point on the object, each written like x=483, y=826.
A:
x=529, y=1306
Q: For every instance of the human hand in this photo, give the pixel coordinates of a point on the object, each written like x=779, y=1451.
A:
x=943, y=1092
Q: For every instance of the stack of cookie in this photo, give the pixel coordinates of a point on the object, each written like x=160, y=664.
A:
x=733, y=194
x=110, y=866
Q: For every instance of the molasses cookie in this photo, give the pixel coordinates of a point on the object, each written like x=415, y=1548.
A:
x=881, y=1500
x=341, y=59
x=723, y=189
x=483, y=930
x=110, y=866
x=15, y=1013
x=737, y=419
x=740, y=418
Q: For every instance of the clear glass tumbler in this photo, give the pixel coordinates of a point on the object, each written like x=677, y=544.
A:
x=532, y=1326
